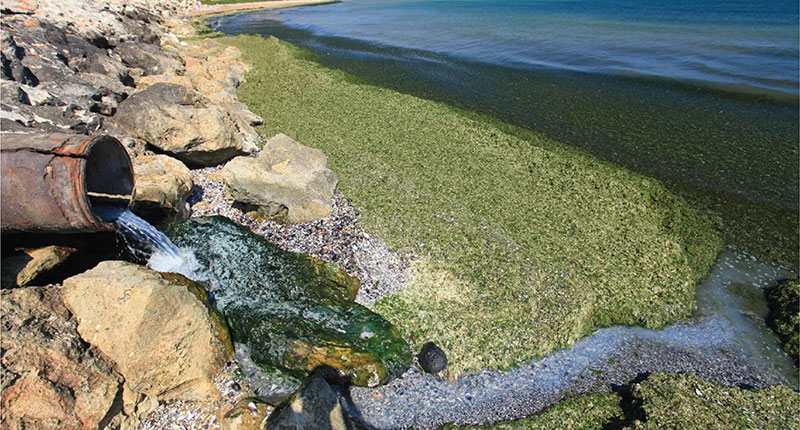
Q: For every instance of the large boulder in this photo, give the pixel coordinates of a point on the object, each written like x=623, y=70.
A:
x=314, y=406
x=293, y=312
x=183, y=123
x=164, y=337
x=51, y=379
x=162, y=186
x=288, y=182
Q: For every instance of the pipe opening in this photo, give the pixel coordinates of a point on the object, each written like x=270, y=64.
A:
x=108, y=179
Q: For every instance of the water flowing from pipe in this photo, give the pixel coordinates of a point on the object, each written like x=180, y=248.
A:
x=147, y=243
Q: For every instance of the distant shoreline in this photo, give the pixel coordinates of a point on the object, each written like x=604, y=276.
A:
x=217, y=9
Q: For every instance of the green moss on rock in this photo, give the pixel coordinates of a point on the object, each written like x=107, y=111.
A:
x=295, y=313
x=784, y=315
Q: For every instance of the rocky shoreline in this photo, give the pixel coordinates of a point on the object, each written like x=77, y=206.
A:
x=118, y=68
x=136, y=70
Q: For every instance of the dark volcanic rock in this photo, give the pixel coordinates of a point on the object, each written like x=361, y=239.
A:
x=431, y=358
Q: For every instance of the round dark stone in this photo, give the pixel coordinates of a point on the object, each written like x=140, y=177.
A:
x=432, y=358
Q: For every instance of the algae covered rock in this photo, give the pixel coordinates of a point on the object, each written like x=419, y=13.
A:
x=293, y=312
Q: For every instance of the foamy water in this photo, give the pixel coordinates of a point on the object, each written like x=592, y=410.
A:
x=148, y=243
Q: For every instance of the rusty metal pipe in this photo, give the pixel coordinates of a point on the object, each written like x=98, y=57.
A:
x=61, y=182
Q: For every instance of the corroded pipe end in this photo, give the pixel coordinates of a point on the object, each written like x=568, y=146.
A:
x=62, y=183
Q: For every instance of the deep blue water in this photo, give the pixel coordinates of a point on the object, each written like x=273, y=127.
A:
x=745, y=44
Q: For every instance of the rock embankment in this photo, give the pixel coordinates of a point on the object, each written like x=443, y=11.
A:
x=110, y=345
x=116, y=67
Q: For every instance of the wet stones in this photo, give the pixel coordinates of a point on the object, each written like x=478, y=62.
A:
x=431, y=358
x=293, y=313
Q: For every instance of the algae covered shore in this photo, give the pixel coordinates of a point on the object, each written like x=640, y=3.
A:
x=519, y=244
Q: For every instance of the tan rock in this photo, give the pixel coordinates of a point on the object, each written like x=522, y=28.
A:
x=182, y=122
x=162, y=186
x=145, y=81
x=51, y=378
x=164, y=341
x=286, y=179
x=23, y=268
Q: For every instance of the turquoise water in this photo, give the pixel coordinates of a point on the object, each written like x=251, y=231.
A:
x=743, y=44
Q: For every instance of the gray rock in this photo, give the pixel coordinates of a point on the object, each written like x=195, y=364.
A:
x=183, y=123
x=284, y=175
x=150, y=58
x=314, y=406
x=35, y=96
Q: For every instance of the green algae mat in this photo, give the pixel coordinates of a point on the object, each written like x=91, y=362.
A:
x=295, y=313
x=520, y=245
x=667, y=401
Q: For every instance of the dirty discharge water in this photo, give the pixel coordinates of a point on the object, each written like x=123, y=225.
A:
x=727, y=341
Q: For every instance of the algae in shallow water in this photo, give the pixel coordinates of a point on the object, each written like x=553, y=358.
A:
x=684, y=400
x=538, y=243
x=294, y=312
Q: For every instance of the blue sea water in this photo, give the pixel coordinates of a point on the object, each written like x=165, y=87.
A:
x=745, y=44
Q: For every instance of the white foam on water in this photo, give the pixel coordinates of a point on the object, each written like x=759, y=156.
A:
x=147, y=242
x=184, y=262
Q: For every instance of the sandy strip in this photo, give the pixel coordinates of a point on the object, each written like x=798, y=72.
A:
x=206, y=10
